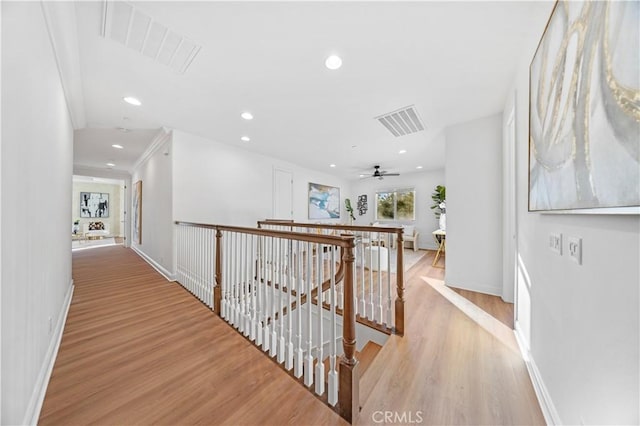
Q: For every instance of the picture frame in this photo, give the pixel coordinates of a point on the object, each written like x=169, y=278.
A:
x=584, y=139
x=94, y=205
x=324, y=201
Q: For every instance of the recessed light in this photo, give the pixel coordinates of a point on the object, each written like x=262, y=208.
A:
x=332, y=165
x=419, y=167
x=247, y=116
x=333, y=62
x=123, y=129
x=245, y=138
x=402, y=151
x=111, y=165
x=131, y=100
x=362, y=175
x=115, y=145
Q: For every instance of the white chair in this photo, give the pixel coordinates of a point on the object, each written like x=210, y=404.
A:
x=411, y=236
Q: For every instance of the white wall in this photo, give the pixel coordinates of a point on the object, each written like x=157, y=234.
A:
x=156, y=174
x=474, y=205
x=37, y=143
x=582, y=324
x=223, y=184
x=424, y=184
x=115, y=202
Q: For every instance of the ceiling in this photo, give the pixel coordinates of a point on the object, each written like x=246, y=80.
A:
x=452, y=60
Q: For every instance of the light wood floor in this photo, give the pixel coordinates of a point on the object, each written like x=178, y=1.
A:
x=139, y=350
x=448, y=367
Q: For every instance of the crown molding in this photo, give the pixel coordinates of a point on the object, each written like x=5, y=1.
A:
x=158, y=141
x=60, y=19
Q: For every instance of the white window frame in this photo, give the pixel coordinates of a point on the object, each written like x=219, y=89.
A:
x=395, y=204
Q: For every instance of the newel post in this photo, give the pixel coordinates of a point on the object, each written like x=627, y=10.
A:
x=217, y=290
x=400, y=284
x=349, y=376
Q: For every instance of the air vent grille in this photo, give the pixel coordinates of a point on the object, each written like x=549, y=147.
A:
x=125, y=24
x=402, y=122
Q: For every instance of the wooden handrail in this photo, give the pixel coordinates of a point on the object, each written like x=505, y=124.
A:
x=363, y=228
x=296, y=236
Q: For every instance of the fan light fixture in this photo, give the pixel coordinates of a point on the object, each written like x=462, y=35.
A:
x=131, y=100
x=333, y=62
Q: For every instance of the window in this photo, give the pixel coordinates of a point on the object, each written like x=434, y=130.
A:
x=396, y=205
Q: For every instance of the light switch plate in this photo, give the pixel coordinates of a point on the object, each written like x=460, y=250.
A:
x=575, y=249
x=555, y=243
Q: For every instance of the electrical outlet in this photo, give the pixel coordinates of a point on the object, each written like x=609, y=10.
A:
x=555, y=243
x=575, y=249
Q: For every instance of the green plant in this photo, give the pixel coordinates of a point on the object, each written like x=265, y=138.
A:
x=347, y=206
x=439, y=196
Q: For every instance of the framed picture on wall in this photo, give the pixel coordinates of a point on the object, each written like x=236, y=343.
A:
x=94, y=204
x=324, y=201
x=137, y=212
x=584, y=124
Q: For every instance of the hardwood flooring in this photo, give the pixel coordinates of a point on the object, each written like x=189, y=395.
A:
x=448, y=367
x=139, y=350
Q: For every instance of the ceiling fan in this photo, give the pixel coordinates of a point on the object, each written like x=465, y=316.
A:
x=380, y=174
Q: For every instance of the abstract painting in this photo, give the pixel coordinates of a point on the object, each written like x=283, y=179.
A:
x=584, y=108
x=137, y=212
x=324, y=202
x=94, y=204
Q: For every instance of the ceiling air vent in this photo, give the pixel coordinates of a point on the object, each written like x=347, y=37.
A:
x=402, y=122
x=123, y=23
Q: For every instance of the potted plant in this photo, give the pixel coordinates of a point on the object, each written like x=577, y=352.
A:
x=349, y=208
x=439, y=197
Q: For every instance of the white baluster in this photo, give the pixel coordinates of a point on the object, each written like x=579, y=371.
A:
x=371, y=304
x=265, y=307
x=242, y=284
x=308, y=366
x=259, y=287
x=379, y=307
x=252, y=289
x=225, y=271
x=281, y=293
x=320, y=355
x=297, y=370
x=333, y=374
x=389, y=316
x=290, y=285
x=273, y=350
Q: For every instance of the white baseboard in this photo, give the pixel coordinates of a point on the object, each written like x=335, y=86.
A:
x=42, y=382
x=161, y=269
x=549, y=411
x=494, y=291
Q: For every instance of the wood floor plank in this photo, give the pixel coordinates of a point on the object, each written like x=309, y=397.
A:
x=140, y=350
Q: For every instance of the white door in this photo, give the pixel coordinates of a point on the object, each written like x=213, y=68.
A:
x=282, y=194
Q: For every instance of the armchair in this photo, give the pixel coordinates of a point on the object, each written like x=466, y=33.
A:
x=411, y=236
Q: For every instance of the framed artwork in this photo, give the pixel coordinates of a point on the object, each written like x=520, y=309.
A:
x=363, y=206
x=324, y=201
x=94, y=204
x=137, y=212
x=584, y=115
